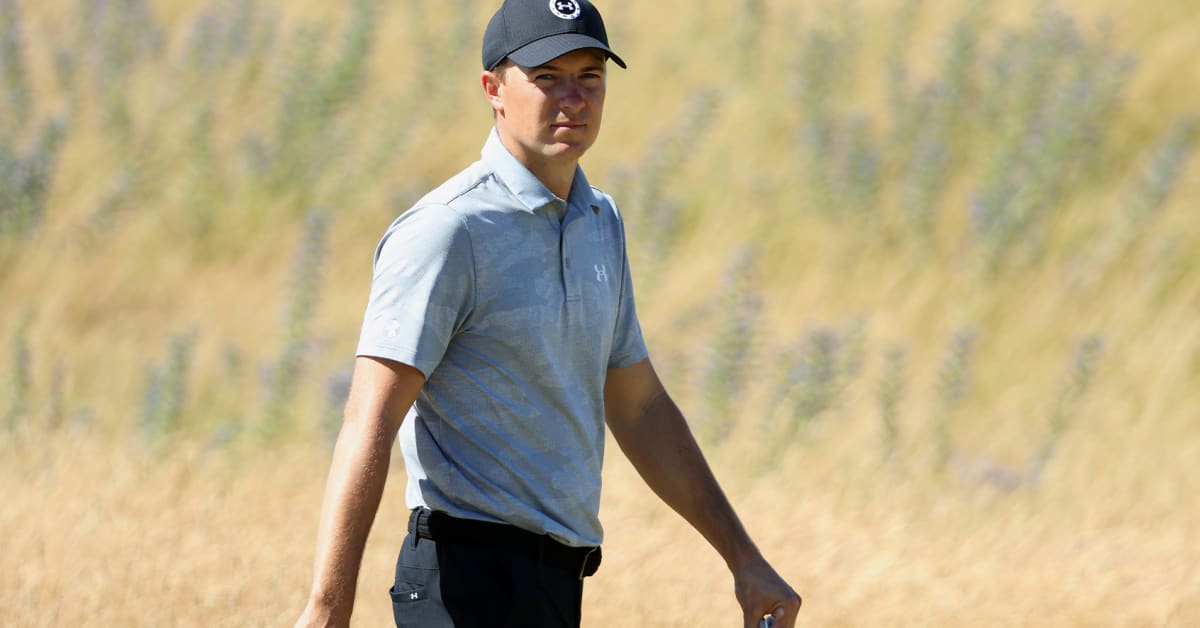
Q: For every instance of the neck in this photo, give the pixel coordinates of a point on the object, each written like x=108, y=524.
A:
x=557, y=179
x=556, y=175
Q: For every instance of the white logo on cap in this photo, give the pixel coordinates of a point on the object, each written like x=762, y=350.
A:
x=565, y=9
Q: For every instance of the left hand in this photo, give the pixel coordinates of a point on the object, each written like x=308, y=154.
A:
x=761, y=591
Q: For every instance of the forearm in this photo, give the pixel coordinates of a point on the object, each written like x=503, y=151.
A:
x=665, y=453
x=353, y=491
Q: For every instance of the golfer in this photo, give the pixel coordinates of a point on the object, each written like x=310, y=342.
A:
x=499, y=339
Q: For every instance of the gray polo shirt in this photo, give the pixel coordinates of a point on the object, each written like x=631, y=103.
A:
x=513, y=304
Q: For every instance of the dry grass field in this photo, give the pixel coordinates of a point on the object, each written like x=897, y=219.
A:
x=96, y=538
x=925, y=275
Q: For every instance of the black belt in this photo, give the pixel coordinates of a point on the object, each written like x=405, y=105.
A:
x=438, y=526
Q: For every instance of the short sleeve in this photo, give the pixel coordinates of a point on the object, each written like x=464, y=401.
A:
x=422, y=289
x=628, y=346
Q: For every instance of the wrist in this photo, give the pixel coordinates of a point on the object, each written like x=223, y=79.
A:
x=743, y=556
x=328, y=604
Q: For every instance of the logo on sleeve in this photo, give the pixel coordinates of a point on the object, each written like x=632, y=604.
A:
x=601, y=273
x=565, y=9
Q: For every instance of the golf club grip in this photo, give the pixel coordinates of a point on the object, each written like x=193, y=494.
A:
x=766, y=622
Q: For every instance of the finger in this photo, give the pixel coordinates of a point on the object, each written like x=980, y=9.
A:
x=774, y=619
x=758, y=620
x=768, y=620
x=765, y=621
x=786, y=613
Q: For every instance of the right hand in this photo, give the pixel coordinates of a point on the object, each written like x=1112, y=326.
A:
x=761, y=590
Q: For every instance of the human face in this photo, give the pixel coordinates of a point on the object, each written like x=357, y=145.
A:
x=548, y=116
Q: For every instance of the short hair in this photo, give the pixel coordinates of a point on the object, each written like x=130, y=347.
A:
x=501, y=68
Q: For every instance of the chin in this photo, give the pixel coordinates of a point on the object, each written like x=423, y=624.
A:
x=564, y=149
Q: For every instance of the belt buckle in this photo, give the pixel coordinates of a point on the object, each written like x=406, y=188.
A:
x=587, y=559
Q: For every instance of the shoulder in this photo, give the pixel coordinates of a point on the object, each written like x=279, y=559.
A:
x=477, y=195
x=442, y=212
x=467, y=181
x=428, y=229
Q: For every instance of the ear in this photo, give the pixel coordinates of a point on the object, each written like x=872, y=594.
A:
x=490, y=82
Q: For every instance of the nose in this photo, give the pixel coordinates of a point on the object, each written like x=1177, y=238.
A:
x=570, y=96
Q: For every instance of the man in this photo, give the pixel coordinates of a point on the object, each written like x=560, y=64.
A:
x=501, y=313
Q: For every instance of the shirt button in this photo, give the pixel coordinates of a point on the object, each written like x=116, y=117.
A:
x=568, y=263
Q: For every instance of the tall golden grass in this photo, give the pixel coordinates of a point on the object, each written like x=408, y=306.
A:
x=97, y=535
x=102, y=526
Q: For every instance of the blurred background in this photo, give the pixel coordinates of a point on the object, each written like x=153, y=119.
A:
x=921, y=273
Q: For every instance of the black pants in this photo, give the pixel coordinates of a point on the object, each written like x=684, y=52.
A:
x=443, y=584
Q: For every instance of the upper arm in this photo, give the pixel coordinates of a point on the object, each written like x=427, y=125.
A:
x=628, y=390
x=382, y=390
x=422, y=289
x=628, y=346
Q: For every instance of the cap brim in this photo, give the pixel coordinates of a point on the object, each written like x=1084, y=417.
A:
x=544, y=50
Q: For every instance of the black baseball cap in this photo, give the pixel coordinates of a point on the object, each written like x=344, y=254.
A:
x=532, y=32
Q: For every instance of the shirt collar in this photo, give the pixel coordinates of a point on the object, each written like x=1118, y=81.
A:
x=521, y=182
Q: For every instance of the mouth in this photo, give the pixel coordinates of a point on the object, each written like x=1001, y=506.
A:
x=568, y=125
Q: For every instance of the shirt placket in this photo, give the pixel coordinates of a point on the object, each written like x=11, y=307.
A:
x=570, y=256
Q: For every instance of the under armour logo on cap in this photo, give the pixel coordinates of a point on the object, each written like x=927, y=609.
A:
x=565, y=9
